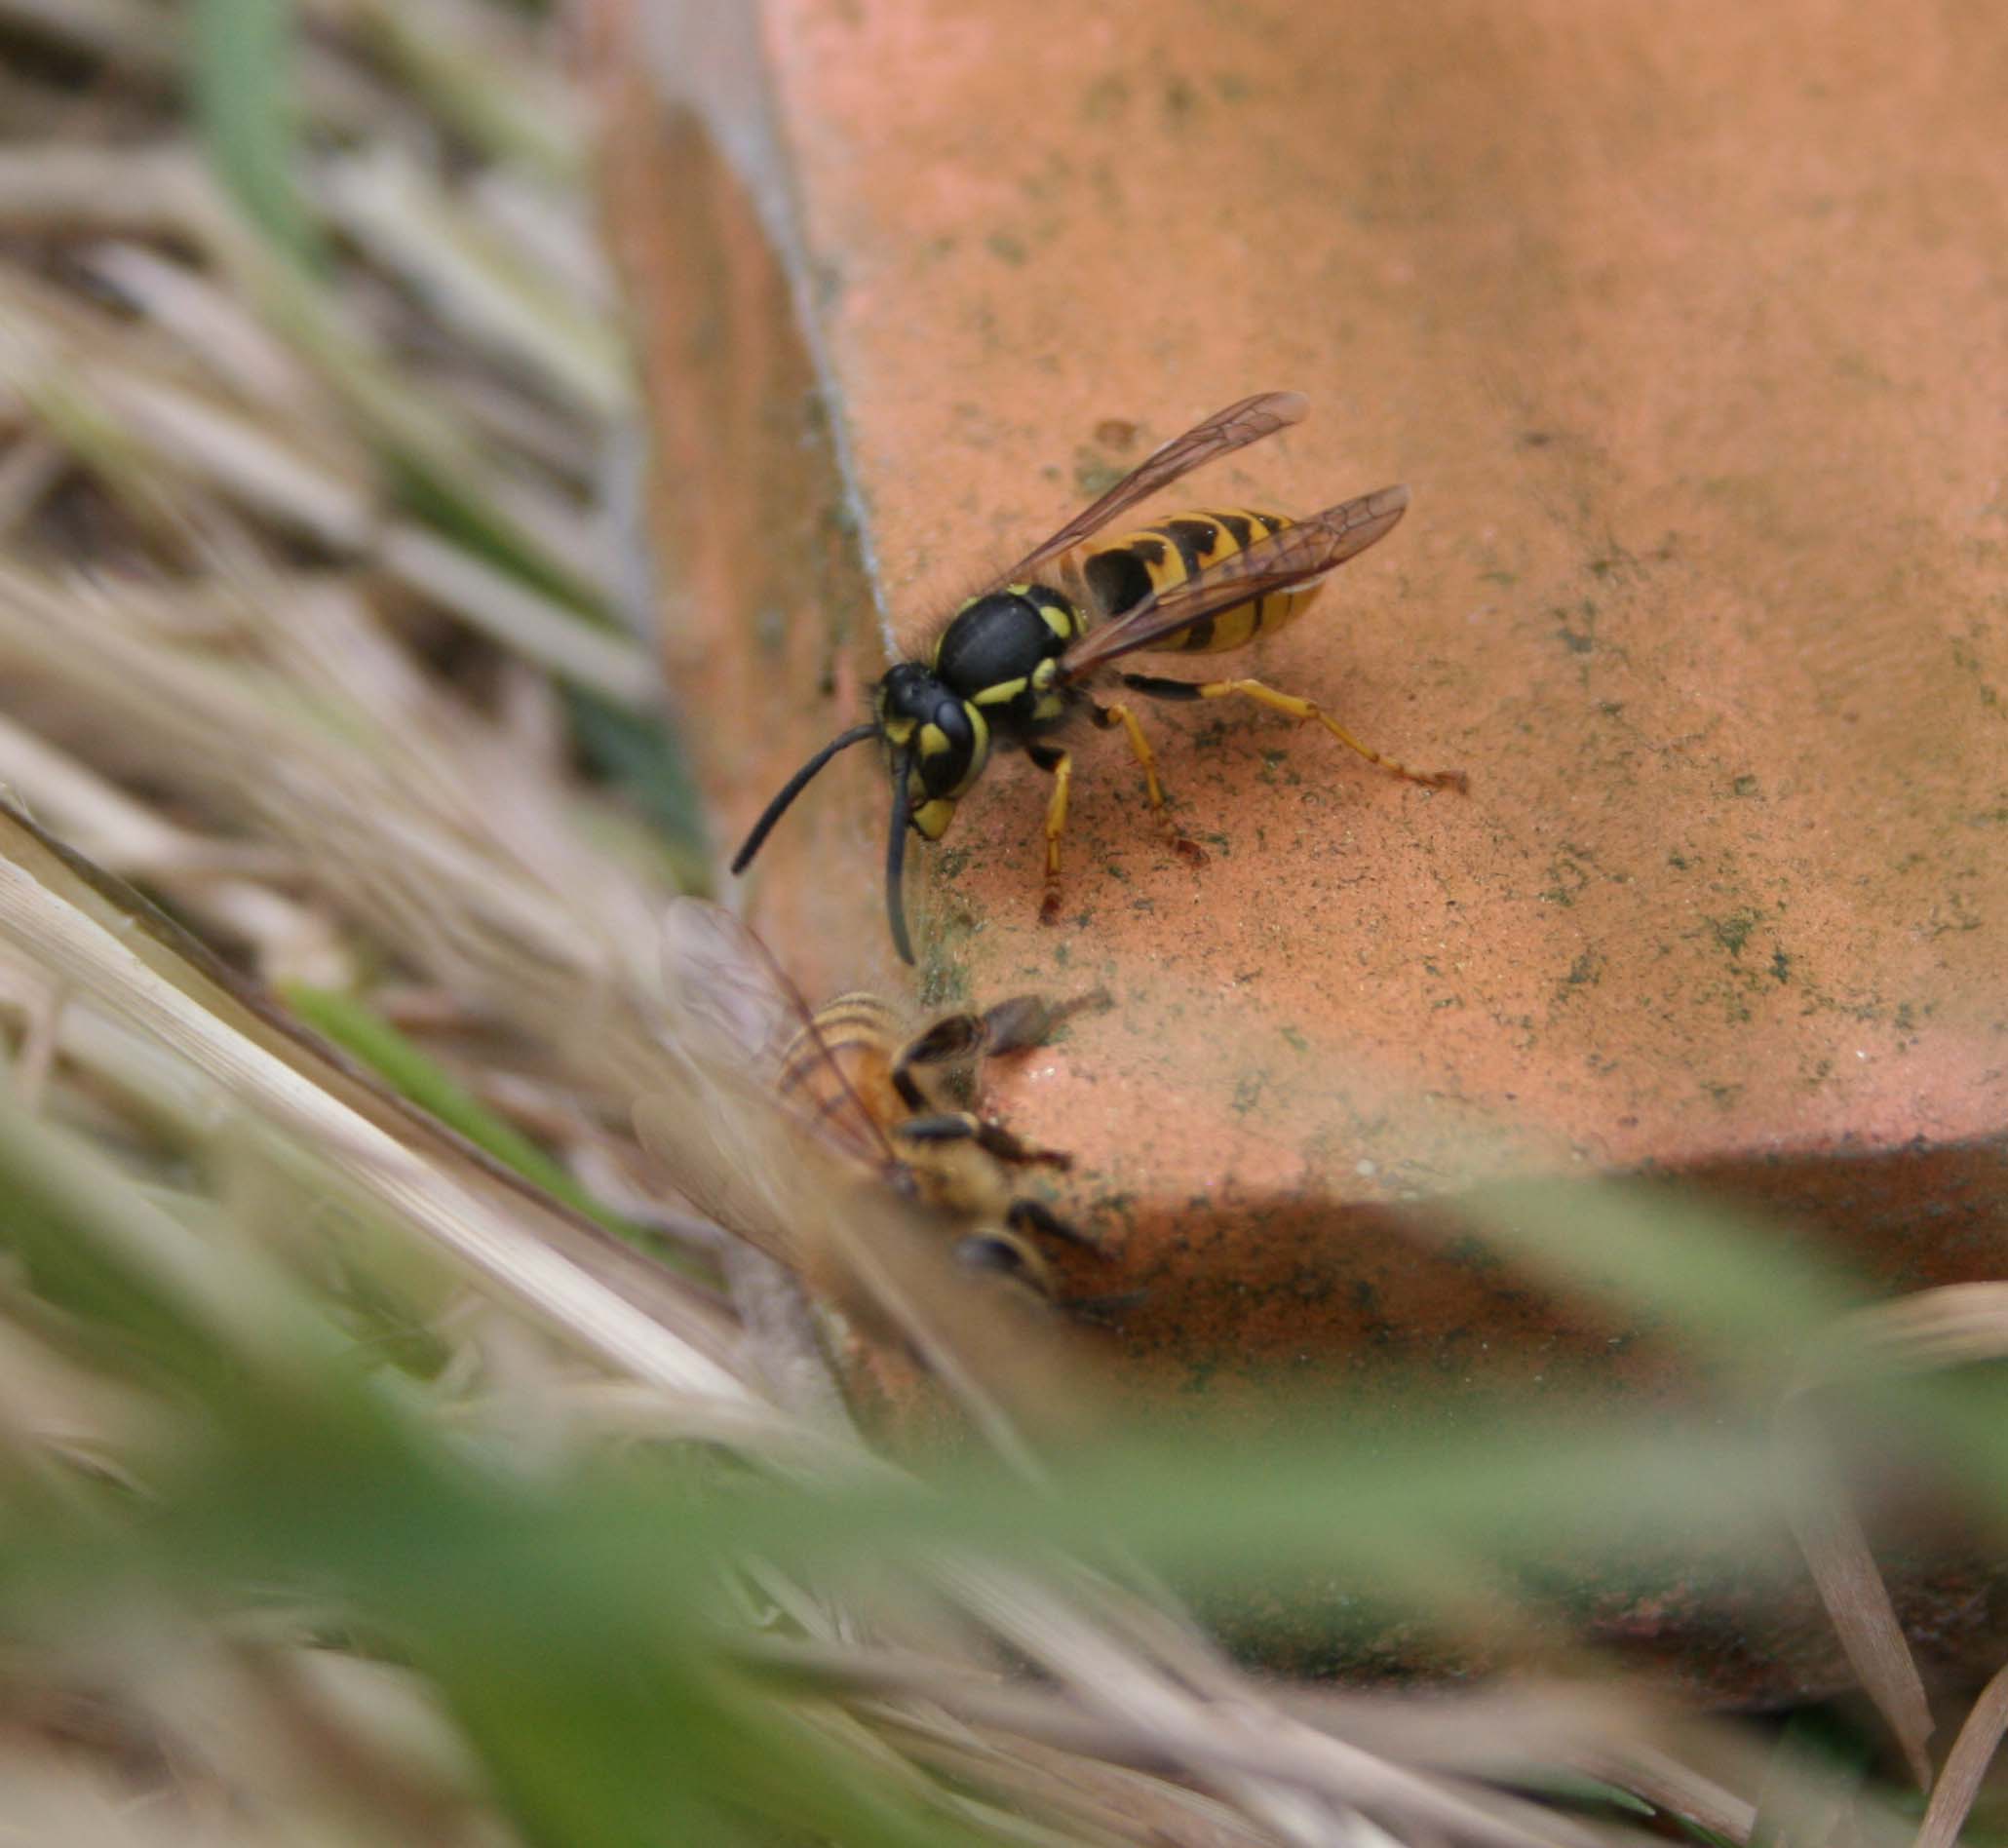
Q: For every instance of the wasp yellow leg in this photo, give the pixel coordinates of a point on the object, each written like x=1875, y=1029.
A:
x=1140, y=748
x=1296, y=708
x=1061, y=765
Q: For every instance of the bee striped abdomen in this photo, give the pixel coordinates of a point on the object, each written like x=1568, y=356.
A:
x=1121, y=572
x=844, y=1062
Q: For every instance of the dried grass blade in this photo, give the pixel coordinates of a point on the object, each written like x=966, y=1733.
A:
x=509, y=104
x=565, y=1269
x=505, y=609
x=1241, y=1744
x=142, y=38
x=211, y=323
x=1857, y=1603
x=388, y=207
x=1663, y=1780
x=1929, y=1330
x=1966, y=1766
x=93, y=190
x=1951, y=1326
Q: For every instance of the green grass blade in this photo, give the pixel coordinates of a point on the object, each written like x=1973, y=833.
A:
x=241, y=72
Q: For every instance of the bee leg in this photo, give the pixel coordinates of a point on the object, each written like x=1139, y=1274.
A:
x=1104, y=1311
x=1140, y=748
x=960, y=1126
x=1297, y=708
x=950, y=1039
x=1029, y=1216
x=1027, y=1021
x=1061, y=765
x=994, y=1253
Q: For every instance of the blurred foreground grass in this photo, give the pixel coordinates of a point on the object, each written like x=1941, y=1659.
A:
x=362, y=1481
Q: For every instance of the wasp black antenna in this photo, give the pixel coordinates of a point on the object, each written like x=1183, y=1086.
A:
x=794, y=786
x=896, y=858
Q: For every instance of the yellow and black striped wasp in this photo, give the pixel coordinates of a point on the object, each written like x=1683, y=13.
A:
x=1012, y=665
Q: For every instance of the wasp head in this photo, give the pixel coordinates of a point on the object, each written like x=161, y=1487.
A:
x=942, y=740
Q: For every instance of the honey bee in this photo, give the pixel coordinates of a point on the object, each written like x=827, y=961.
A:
x=1013, y=665
x=855, y=1084
x=886, y=1093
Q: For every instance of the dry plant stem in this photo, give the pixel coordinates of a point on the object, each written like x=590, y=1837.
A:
x=1966, y=1766
x=556, y=238
x=1242, y=1746
x=165, y=190
x=509, y=613
x=513, y=104
x=236, y=451
x=1843, y=1567
x=210, y=322
x=33, y=464
x=1919, y=1333
x=114, y=828
x=389, y=208
x=1092, y=1801
x=94, y=191
x=1518, y=1731
x=244, y=1706
x=1929, y=1330
x=559, y=958
x=481, y=1233
x=1150, y=1616
x=1669, y=1785
x=1345, y=1772
x=139, y=37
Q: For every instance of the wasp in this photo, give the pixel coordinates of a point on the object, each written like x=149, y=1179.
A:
x=890, y=1102
x=1015, y=664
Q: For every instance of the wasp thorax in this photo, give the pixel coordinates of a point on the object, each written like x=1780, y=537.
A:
x=997, y=641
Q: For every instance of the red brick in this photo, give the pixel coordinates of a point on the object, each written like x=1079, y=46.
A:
x=1685, y=328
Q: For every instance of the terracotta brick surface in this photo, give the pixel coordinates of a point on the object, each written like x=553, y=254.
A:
x=1686, y=328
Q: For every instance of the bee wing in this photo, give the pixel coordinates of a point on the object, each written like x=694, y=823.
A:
x=739, y=1012
x=1285, y=561
x=724, y=987
x=720, y=1142
x=1221, y=434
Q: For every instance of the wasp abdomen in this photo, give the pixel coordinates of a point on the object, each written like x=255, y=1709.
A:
x=1120, y=573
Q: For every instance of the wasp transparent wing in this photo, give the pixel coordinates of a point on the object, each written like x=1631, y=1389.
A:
x=1292, y=559
x=1221, y=434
